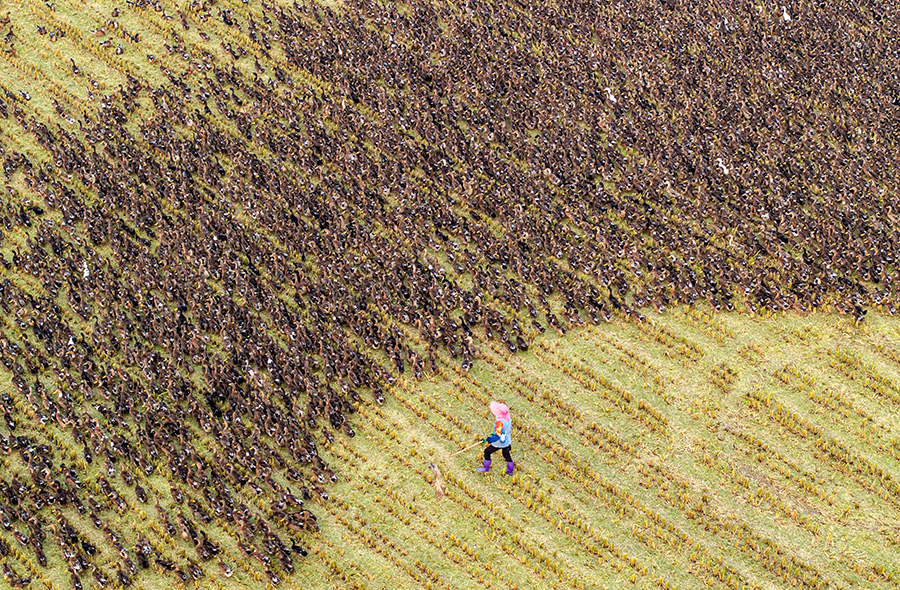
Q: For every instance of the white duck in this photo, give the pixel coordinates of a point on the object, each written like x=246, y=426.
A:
x=609, y=95
x=722, y=165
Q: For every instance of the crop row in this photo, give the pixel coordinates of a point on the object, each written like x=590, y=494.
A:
x=675, y=345
x=572, y=465
x=594, y=435
x=887, y=352
x=832, y=400
x=851, y=365
x=655, y=477
x=677, y=492
x=796, y=475
x=482, y=508
x=723, y=377
x=704, y=321
x=805, y=334
x=803, y=381
x=750, y=352
x=625, y=504
x=766, y=552
x=844, y=459
x=551, y=400
x=374, y=539
x=465, y=555
x=577, y=527
x=756, y=494
x=679, y=496
x=656, y=382
x=488, y=512
x=411, y=515
x=350, y=579
x=588, y=378
x=536, y=500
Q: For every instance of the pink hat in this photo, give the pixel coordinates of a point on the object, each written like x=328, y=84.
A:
x=500, y=410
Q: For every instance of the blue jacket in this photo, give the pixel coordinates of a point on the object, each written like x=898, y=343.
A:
x=502, y=431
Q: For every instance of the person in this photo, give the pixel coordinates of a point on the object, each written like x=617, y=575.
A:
x=500, y=440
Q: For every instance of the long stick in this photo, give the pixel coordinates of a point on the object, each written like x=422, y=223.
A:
x=472, y=446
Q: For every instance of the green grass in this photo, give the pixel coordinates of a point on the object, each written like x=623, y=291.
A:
x=826, y=520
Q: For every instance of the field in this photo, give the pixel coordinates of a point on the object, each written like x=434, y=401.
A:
x=699, y=450
x=695, y=450
x=264, y=262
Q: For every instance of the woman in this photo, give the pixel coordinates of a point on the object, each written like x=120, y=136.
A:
x=500, y=440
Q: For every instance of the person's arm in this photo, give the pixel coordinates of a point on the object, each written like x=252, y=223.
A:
x=498, y=430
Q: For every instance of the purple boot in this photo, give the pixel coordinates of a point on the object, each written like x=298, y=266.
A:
x=509, y=467
x=484, y=468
